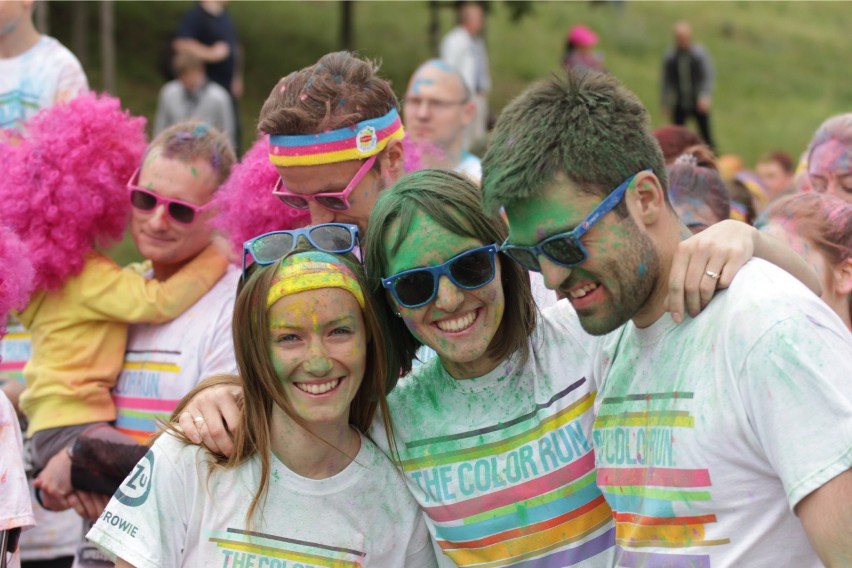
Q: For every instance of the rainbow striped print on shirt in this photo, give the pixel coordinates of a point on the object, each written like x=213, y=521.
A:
x=15, y=351
x=141, y=397
x=655, y=503
x=246, y=548
x=518, y=493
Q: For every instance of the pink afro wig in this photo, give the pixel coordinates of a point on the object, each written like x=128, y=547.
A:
x=418, y=155
x=63, y=185
x=245, y=202
x=16, y=277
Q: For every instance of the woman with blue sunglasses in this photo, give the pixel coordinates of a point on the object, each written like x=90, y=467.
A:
x=492, y=435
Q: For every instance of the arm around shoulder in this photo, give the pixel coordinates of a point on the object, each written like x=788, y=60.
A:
x=125, y=296
x=826, y=514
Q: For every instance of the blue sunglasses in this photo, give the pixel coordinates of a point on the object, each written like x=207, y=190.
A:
x=469, y=270
x=565, y=249
x=336, y=238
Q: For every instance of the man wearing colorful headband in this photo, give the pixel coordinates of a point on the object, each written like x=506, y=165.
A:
x=721, y=441
x=335, y=137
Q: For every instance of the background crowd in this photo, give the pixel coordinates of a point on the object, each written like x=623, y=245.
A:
x=192, y=182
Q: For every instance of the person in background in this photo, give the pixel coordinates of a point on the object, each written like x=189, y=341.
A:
x=580, y=50
x=696, y=190
x=36, y=71
x=819, y=228
x=829, y=160
x=436, y=110
x=748, y=196
x=688, y=79
x=463, y=49
x=208, y=32
x=193, y=96
x=776, y=170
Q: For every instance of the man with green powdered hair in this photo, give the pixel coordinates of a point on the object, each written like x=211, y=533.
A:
x=720, y=441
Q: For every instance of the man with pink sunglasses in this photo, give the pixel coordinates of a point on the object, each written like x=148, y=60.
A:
x=171, y=195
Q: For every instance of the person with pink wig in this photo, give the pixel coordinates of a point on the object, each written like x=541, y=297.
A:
x=190, y=162
x=819, y=227
x=15, y=508
x=63, y=191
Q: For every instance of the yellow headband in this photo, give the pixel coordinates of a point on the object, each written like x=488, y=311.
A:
x=313, y=270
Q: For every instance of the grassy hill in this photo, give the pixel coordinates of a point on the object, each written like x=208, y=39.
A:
x=780, y=65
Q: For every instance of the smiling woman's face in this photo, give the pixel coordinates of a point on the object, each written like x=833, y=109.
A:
x=318, y=346
x=458, y=324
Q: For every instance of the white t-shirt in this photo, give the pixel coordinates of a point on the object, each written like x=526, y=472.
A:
x=46, y=74
x=708, y=433
x=15, y=508
x=164, y=362
x=173, y=511
x=503, y=464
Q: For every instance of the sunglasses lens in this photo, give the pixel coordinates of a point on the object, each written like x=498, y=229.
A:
x=525, y=258
x=414, y=288
x=293, y=201
x=181, y=213
x=473, y=270
x=333, y=203
x=564, y=251
x=142, y=200
x=272, y=247
x=332, y=239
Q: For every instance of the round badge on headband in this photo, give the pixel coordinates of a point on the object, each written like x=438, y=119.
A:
x=313, y=270
x=365, y=139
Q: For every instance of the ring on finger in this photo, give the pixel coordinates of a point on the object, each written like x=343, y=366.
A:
x=198, y=420
x=713, y=275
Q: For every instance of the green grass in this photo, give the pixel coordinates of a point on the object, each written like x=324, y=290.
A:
x=780, y=66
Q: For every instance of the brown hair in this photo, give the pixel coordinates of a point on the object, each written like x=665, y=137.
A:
x=674, y=140
x=455, y=203
x=585, y=125
x=192, y=140
x=262, y=388
x=338, y=90
x=779, y=157
x=185, y=61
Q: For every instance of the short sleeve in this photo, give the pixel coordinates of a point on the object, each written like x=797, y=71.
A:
x=796, y=385
x=145, y=521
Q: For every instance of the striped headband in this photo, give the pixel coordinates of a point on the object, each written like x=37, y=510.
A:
x=312, y=270
x=365, y=139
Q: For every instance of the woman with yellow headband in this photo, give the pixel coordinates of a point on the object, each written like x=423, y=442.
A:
x=301, y=487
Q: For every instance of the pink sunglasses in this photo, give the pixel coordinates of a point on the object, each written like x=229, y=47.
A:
x=146, y=200
x=338, y=201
